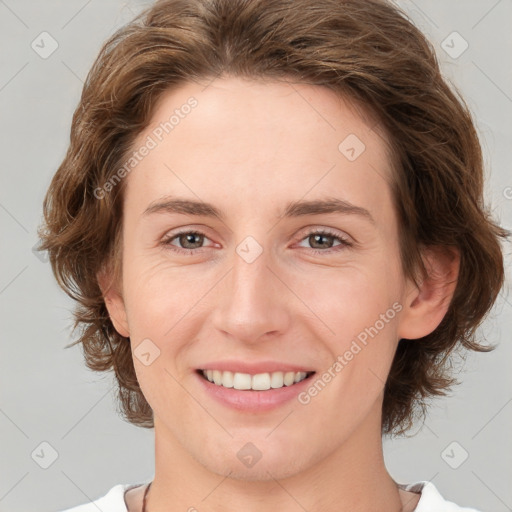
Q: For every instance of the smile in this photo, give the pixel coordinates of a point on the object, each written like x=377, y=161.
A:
x=257, y=382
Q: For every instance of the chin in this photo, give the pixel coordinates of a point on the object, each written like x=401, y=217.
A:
x=237, y=463
x=260, y=472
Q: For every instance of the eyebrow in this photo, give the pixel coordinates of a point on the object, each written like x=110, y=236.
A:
x=299, y=208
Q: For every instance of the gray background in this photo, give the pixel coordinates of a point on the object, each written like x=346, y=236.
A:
x=47, y=394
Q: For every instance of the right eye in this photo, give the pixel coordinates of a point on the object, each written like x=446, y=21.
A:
x=185, y=238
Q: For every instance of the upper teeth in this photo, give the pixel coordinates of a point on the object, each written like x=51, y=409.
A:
x=258, y=382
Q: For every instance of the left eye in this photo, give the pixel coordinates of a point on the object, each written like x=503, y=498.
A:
x=191, y=241
x=317, y=240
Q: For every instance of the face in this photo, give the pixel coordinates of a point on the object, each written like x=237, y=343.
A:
x=267, y=280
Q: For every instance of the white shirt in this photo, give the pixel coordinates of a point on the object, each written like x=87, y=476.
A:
x=430, y=501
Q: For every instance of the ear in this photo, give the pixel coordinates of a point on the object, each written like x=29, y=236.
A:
x=426, y=304
x=114, y=302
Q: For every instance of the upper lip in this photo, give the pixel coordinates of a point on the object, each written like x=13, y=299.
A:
x=254, y=368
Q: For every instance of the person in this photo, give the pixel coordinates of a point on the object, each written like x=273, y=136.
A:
x=271, y=218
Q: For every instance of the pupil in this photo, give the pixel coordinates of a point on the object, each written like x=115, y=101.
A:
x=189, y=238
x=317, y=238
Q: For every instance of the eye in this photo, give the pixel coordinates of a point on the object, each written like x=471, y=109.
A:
x=190, y=242
x=321, y=240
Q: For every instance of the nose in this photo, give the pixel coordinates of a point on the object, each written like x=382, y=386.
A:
x=252, y=301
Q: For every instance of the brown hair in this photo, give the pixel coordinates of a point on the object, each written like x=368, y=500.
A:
x=365, y=50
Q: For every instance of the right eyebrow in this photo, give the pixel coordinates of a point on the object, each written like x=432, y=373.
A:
x=184, y=206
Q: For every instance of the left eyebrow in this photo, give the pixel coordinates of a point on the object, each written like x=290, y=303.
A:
x=299, y=208
x=323, y=206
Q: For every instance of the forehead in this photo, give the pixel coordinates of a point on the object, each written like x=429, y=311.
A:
x=250, y=143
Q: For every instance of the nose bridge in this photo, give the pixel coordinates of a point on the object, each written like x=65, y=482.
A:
x=251, y=302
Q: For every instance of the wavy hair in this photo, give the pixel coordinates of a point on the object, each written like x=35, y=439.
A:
x=364, y=50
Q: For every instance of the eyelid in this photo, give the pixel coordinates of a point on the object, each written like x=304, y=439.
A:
x=345, y=241
x=172, y=235
x=312, y=230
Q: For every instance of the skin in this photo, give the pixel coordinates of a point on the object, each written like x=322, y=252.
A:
x=249, y=148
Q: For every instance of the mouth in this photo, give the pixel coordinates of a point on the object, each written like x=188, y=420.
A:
x=253, y=382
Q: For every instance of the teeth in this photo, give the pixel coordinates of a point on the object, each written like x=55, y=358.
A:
x=261, y=381
x=276, y=380
x=289, y=378
x=258, y=382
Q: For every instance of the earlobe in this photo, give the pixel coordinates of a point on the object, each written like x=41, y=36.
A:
x=426, y=304
x=114, y=303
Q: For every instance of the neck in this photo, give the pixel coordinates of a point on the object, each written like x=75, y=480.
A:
x=351, y=478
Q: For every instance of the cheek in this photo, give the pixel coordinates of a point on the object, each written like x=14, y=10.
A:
x=350, y=298
x=150, y=309
x=359, y=309
x=161, y=302
x=159, y=294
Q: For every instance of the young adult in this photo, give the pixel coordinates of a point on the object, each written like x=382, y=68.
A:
x=271, y=217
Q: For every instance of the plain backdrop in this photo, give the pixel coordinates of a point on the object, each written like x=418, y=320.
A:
x=47, y=394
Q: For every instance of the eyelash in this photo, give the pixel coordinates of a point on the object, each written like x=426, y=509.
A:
x=344, y=242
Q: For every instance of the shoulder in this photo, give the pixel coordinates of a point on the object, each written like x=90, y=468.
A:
x=431, y=500
x=113, y=501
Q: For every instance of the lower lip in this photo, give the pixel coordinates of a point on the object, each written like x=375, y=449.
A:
x=250, y=400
